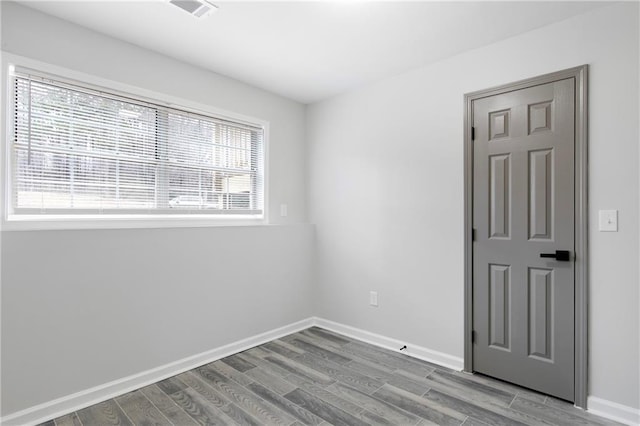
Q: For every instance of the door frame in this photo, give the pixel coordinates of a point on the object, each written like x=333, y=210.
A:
x=580, y=212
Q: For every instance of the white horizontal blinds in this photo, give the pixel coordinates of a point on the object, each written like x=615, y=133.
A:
x=80, y=150
x=211, y=164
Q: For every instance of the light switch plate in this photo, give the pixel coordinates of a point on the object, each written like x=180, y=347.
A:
x=373, y=298
x=608, y=220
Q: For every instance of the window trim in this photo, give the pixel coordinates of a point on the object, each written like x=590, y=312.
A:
x=12, y=221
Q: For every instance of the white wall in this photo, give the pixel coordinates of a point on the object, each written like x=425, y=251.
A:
x=81, y=308
x=386, y=192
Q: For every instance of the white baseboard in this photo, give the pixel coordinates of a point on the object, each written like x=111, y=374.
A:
x=425, y=354
x=67, y=404
x=598, y=406
x=613, y=411
x=79, y=400
x=70, y=403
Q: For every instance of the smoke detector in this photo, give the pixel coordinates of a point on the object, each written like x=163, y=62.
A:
x=197, y=8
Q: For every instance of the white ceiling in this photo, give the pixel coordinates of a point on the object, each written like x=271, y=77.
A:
x=308, y=51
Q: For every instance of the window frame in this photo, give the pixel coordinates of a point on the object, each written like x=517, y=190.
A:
x=13, y=221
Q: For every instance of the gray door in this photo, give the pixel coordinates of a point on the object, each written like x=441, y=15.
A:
x=523, y=206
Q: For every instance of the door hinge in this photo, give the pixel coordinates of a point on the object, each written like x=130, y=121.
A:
x=473, y=234
x=473, y=336
x=473, y=133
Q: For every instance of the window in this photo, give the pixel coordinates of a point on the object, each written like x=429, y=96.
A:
x=78, y=150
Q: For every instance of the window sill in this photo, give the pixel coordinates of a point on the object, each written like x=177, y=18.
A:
x=39, y=223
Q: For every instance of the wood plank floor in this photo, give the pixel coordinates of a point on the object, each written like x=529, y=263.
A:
x=316, y=377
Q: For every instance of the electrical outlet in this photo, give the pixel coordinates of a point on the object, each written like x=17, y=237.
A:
x=373, y=298
x=283, y=210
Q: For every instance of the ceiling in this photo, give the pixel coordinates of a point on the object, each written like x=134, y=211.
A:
x=309, y=51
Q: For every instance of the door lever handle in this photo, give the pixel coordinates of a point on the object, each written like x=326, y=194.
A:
x=561, y=255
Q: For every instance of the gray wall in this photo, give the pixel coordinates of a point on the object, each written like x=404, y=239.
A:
x=81, y=308
x=386, y=185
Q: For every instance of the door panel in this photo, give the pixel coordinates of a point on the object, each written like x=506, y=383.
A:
x=500, y=305
x=540, y=184
x=499, y=202
x=540, y=310
x=523, y=205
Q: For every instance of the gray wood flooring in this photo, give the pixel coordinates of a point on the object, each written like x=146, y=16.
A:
x=316, y=377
